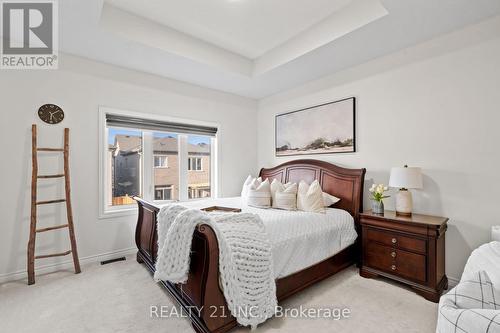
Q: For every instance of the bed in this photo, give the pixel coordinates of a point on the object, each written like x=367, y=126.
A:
x=202, y=288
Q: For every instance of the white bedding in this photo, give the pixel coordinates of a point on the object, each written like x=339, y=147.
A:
x=299, y=239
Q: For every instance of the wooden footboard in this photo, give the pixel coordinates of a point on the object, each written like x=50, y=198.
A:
x=202, y=288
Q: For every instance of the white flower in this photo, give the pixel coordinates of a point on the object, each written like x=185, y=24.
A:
x=385, y=188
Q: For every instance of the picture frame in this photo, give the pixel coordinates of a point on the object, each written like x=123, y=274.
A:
x=328, y=128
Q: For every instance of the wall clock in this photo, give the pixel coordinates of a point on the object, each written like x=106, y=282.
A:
x=51, y=114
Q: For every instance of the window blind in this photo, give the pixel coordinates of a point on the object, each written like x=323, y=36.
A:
x=158, y=125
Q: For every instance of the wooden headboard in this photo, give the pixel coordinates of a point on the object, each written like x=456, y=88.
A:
x=346, y=184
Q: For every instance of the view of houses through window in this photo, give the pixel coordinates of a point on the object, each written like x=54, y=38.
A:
x=198, y=167
x=166, y=174
x=128, y=172
x=124, y=162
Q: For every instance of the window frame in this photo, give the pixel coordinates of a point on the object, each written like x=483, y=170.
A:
x=161, y=166
x=163, y=188
x=147, y=186
x=190, y=163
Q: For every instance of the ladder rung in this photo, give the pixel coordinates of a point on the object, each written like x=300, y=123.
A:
x=50, y=149
x=53, y=255
x=50, y=201
x=50, y=176
x=52, y=228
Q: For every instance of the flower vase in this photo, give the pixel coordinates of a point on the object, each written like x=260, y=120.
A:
x=378, y=207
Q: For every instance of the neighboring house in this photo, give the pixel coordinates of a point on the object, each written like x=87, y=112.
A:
x=126, y=169
x=126, y=165
x=110, y=171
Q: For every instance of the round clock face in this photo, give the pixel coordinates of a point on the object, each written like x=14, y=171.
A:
x=51, y=113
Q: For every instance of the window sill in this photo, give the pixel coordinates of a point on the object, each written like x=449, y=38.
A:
x=164, y=202
x=109, y=214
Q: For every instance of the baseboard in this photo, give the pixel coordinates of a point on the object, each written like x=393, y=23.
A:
x=452, y=282
x=66, y=264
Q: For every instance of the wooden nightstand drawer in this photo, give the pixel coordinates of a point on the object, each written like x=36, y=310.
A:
x=396, y=240
x=398, y=262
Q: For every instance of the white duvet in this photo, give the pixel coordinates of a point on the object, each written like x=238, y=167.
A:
x=299, y=239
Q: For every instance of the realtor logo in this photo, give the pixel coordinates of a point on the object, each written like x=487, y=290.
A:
x=29, y=34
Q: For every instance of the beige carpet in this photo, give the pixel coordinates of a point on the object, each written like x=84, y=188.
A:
x=117, y=298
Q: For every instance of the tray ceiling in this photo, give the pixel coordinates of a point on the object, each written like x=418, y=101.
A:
x=255, y=48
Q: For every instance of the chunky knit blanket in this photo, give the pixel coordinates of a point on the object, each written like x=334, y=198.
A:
x=245, y=258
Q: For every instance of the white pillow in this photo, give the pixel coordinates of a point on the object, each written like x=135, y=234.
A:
x=246, y=185
x=310, y=197
x=276, y=184
x=329, y=199
x=284, y=196
x=259, y=194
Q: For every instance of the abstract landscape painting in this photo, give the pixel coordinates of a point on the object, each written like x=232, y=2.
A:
x=322, y=129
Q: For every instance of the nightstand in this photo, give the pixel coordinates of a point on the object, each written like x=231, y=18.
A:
x=410, y=250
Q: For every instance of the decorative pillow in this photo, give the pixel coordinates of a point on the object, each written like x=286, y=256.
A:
x=246, y=185
x=329, y=199
x=310, y=197
x=259, y=194
x=284, y=196
x=277, y=185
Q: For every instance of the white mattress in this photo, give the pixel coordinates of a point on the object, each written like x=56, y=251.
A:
x=484, y=258
x=299, y=239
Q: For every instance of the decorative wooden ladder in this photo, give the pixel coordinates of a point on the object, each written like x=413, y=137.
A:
x=34, y=203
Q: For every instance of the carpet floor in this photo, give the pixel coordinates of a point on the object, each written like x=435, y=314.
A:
x=118, y=298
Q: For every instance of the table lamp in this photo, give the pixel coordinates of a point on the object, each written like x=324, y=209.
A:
x=405, y=178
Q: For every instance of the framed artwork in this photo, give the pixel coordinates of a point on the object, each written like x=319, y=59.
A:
x=323, y=129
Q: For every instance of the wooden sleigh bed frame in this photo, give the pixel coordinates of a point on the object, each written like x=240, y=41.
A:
x=202, y=291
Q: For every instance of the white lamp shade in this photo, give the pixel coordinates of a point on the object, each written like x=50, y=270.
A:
x=406, y=177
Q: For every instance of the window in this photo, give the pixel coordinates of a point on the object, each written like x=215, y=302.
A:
x=153, y=159
x=199, y=166
x=194, y=164
x=163, y=193
x=124, y=163
x=165, y=148
x=161, y=161
x=199, y=192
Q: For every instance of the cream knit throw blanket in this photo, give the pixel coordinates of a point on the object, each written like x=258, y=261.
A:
x=245, y=258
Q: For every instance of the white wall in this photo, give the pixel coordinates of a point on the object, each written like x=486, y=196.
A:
x=79, y=87
x=436, y=106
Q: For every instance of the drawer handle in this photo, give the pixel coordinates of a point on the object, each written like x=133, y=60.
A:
x=394, y=241
x=393, y=267
x=393, y=254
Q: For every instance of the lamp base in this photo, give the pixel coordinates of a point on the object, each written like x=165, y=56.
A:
x=404, y=203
